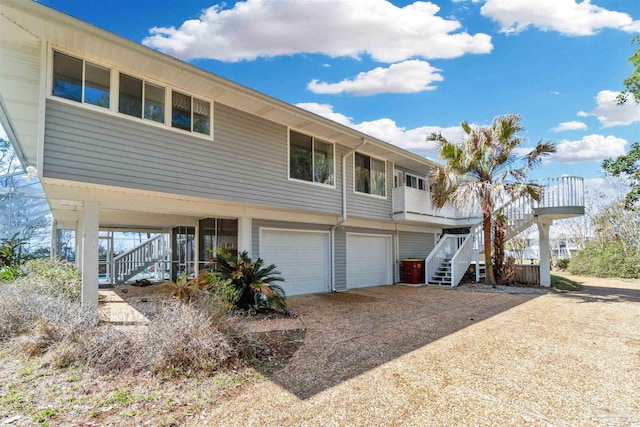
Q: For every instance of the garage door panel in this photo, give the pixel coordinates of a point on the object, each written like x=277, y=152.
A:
x=368, y=260
x=301, y=257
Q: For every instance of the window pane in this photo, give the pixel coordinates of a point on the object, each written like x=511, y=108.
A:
x=201, y=116
x=153, y=102
x=130, y=96
x=67, y=77
x=378, y=179
x=181, y=111
x=362, y=173
x=323, y=162
x=300, y=155
x=97, y=81
x=420, y=184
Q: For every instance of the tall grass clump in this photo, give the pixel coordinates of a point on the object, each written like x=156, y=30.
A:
x=39, y=300
x=41, y=315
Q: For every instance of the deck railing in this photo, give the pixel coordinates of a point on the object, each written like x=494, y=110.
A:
x=565, y=191
x=414, y=201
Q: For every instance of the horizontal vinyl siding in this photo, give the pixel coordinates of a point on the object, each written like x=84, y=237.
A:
x=366, y=206
x=341, y=251
x=259, y=223
x=246, y=161
x=414, y=245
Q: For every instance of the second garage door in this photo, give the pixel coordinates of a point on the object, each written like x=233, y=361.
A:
x=368, y=260
x=302, y=257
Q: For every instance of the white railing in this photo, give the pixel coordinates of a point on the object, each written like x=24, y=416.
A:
x=566, y=191
x=444, y=250
x=461, y=260
x=132, y=262
x=414, y=201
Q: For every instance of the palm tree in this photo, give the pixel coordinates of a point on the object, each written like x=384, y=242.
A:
x=482, y=171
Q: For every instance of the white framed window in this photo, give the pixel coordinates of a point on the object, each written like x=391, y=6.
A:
x=141, y=99
x=370, y=175
x=311, y=159
x=415, y=182
x=190, y=113
x=81, y=81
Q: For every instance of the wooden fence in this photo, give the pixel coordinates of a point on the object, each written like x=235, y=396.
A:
x=527, y=274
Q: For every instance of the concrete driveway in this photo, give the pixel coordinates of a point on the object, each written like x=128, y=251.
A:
x=398, y=355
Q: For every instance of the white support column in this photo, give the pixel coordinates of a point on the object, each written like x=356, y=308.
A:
x=196, y=255
x=89, y=236
x=54, y=239
x=244, y=235
x=79, y=244
x=545, y=259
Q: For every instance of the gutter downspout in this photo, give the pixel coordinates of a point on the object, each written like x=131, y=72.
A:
x=344, y=212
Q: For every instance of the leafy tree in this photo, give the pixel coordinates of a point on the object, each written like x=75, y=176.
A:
x=484, y=170
x=627, y=165
x=632, y=83
x=615, y=248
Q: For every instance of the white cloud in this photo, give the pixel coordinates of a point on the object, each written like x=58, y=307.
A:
x=404, y=77
x=564, y=16
x=589, y=148
x=387, y=130
x=609, y=113
x=572, y=125
x=337, y=28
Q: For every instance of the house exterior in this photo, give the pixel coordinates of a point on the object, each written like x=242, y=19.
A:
x=126, y=138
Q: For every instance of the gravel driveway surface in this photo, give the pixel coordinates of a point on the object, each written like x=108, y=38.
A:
x=397, y=355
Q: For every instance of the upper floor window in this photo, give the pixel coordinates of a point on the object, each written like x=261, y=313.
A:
x=370, y=175
x=80, y=80
x=141, y=99
x=189, y=113
x=415, y=182
x=83, y=81
x=310, y=159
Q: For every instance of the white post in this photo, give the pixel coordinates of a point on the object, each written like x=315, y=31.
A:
x=89, y=236
x=79, y=244
x=543, y=236
x=244, y=234
x=196, y=264
x=54, y=239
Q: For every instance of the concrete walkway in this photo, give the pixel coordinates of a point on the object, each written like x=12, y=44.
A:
x=429, y=356
x=113, y=309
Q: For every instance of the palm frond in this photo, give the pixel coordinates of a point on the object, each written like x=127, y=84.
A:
x=542, y=149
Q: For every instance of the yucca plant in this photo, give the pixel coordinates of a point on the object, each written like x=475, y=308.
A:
x=254, y=285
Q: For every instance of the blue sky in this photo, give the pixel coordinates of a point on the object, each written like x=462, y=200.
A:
x=400, y=70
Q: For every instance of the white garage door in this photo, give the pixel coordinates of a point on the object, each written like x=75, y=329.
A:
x=368, y=260
x=301, y=257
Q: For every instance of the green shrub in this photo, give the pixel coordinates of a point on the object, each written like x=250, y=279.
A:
x=562, y=263
x=11, y=252
x=57, y=277
x=247, y=284
x=9, y=274
x=605, y=260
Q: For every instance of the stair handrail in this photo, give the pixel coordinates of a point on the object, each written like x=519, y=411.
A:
x=461, y=260
x=151, y=250
x=447, y=245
